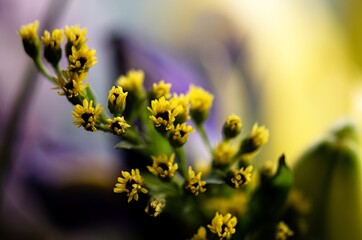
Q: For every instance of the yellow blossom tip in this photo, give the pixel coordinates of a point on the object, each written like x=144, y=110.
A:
x=29, y=31
x=194, y=184
x=259, y=134
x=82, y=59
x=117, y=100
x=30, y=39
x=163, y=115
x=258, y=137
x=200, y=235
x=155, y=206
x=130, y=183
x=87, y=116
x=118, y=125
x=163, y=166
x=223, y=226
x=72, y=85
x=54, y=39
x=238, y=178
x=201, y=102
x=160, y=89
x=180, y=134
x=223, y=154
x=181, y=102
x=283, y=231
x=232, y=126
x=76, y=36
x=132, y=82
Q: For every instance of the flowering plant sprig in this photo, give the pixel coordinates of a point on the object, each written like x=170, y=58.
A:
x=225, y=200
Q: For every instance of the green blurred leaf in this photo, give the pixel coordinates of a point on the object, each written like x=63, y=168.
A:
x=155, y=185
x=329, y=176
x=267, y=202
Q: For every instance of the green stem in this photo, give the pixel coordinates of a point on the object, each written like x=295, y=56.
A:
x=137, y=111
x=180, y=154
x=103, y=128
x=132, y=136
x=90, y=95
x=59, y=71
x=104, y=119
x=204, y=137
x=42, y=69
x=145, y=120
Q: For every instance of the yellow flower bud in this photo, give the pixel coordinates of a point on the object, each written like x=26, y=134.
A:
x=232, y=126
x=31, y=42
x=117, y=101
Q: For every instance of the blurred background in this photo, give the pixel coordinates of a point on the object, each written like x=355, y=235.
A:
x=294, y=66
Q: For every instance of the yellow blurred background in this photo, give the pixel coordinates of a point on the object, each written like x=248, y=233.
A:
x=304, y=58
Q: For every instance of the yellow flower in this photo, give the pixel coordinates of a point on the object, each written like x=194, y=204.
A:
x=180, y=134
x=258, y=137
x=30, y=38
x=160, y=89
x=163, y=166
x=232, y=126
x=73, y=76
x=117, y=125
x=283, y=231
x=52, y=50
x=182, y=102
x=240, y=177
x=117, y=100
x=53, y=40
x=223, y=153
x=130, y=183
x=155, y=206
x=200, y=235
x=201, y=102
x=86, y=116
x=163, y=115
x=132, y=82
x=72, y=84
x=82, y=59
x=223, y=226
x=29, y=31
x=194, y=183
x=76, y=36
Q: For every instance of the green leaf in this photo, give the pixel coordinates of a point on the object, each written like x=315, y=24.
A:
x=329, y=176
x=271, y=195
x=267, y=202
x=155, y=185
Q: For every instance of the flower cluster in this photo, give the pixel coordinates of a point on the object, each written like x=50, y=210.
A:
x=157, y=123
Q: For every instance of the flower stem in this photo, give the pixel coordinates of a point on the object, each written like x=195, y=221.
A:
x=59, y=71
x=204, y=137
x=133, y=136
x=42, y=69
x=180, y=153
